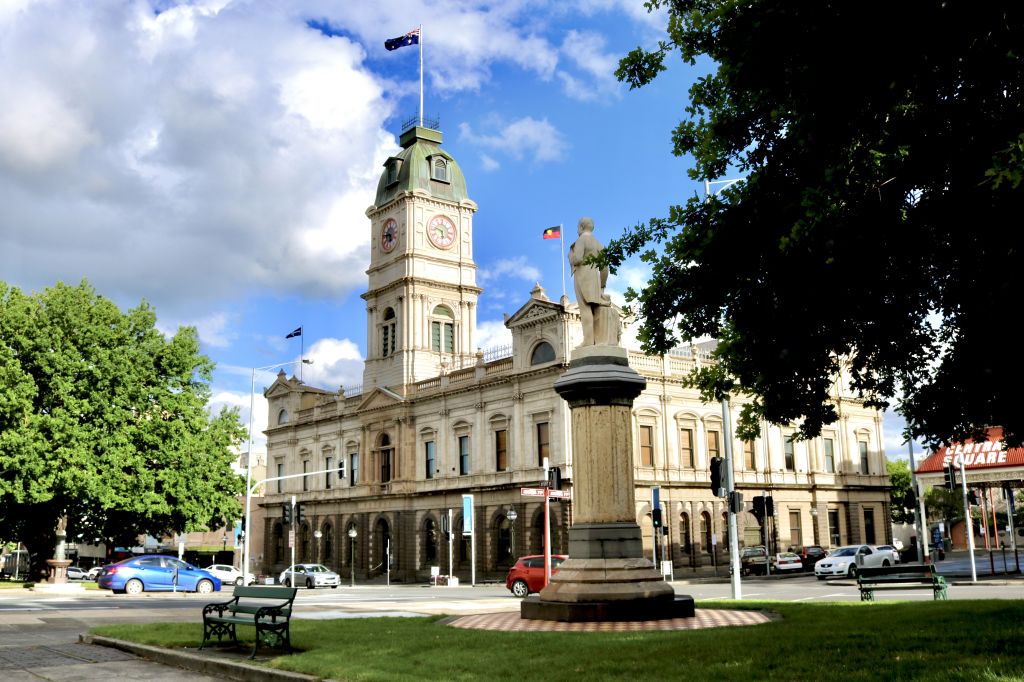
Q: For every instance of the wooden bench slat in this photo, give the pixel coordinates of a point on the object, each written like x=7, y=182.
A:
x=900, y=577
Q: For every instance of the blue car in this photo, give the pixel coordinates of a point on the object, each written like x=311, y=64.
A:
x=155, y=572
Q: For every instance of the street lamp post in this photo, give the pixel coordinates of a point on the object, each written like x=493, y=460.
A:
x=317, y=534
x=352, y=553
x=224, y=540
x=512, y=516
x=248, y=462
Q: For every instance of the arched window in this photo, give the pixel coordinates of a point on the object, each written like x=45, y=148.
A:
x=542, y=353
x=282, y=417
x=328, y=541
x=386, y=453
x=442, y=330
x=440, y=169
x=705, y=531
x=387, y=333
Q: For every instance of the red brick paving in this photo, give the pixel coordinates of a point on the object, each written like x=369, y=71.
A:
x=705, y=618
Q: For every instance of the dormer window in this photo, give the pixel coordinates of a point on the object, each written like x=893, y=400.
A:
x=439, y=169
x=393, y=166
x=542, y=353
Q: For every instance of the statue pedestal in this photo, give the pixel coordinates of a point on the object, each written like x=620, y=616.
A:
x=58, y=571
x=606, y=577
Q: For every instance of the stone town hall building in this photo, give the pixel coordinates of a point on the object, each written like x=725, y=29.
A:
x=436, y=419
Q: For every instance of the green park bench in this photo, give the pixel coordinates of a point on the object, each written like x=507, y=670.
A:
x=870, y=579
x=268, y=609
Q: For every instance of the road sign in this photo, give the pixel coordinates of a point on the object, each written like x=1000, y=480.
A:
x=531, y=492
x=291, y=538
x=564, y=494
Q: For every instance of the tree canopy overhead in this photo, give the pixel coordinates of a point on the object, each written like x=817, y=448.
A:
x=878, y=224
x=105, y=420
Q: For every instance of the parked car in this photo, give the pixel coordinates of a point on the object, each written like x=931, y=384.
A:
x=93, y=573
x=309, y=575
x=229, y=575
x=754, y=561
x=786, y=562
x=843, y=561
x=527, y=574
x=892, y=549
x=76, y=573
x=156, y=572
x=809, y=555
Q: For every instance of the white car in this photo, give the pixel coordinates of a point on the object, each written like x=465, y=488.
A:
x=76, y=573
x=229, y=575
x=892, y=549
x=309, y=575
x=843, y=561
x=93, y=573
x=786, y=561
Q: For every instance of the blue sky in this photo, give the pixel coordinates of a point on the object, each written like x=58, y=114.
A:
x=216, y=157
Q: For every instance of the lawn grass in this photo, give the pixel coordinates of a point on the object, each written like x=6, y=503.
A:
x=955, y=640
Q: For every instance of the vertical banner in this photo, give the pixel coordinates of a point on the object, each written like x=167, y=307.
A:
x=467, y=514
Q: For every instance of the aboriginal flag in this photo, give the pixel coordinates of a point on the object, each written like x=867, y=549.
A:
x=553, y=232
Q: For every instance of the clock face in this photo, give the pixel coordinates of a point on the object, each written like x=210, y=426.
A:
x=441, y=232
x=389, y=236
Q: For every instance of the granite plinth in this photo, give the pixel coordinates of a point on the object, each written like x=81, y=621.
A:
x=535, y=608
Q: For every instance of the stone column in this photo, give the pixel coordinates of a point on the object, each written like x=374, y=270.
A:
x=607, y=577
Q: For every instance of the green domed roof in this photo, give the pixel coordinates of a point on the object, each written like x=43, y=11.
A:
x=411, y=168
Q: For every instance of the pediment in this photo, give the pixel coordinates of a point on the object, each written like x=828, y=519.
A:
x=535, y=311
x=380, y=398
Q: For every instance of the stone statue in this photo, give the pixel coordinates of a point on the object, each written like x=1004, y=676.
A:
x=597, y=315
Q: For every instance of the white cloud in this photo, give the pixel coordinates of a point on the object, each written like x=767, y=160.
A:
x=336, y=363
x=488, y=164
x=517, y=267
x=490, y=333
x=214, y=329
x=185, y=156
x=585, y=50
x=524, y=137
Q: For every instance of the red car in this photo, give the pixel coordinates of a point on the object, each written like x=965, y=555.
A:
x=527, y=575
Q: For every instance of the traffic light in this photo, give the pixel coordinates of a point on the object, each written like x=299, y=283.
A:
x=286, y=514
x=910, y=500
x=736, y=502
x=769, y=506
x=716, y=476
x=243, y=524
x=656, y=517
x=555, y=478
x=972, y=497
x=758, y=510
x=300, y=513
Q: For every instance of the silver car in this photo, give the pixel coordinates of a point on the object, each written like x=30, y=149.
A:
x=310, y=576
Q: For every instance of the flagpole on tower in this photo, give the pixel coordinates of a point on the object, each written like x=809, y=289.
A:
x=421, y=73
x=561, y=240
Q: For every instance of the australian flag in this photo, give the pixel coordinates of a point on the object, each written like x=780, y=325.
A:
x=410, y=38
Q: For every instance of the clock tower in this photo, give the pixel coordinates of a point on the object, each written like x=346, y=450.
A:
x=422, y=295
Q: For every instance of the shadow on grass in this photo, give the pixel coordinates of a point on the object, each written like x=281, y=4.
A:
x=956, y=640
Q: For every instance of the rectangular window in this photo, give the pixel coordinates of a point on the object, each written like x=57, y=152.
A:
x=795, y=536
x=830, y=455
x=328, y=463
x=748, y=454
x=686, y=448
x=463, y=455
x=869, y=526
x=790, y=447
x=864, y=469
x=435, y=336
x=385, y=465
x=353, y=469
x=647, y=446
x=428, y=449
x=305, y=479
x=501, y=450
x=714, y=450
x=543, y=443
x=280, y=472
x=833, y=528
x=449, y=337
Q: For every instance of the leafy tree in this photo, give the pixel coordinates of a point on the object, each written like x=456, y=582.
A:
x=103, y=420
x=899, y=486
x=876, y=230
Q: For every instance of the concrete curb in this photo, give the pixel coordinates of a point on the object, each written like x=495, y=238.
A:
x=232, y=670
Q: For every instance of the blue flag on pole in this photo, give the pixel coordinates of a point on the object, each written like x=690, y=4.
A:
x=297, y=332
x=410, y=38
